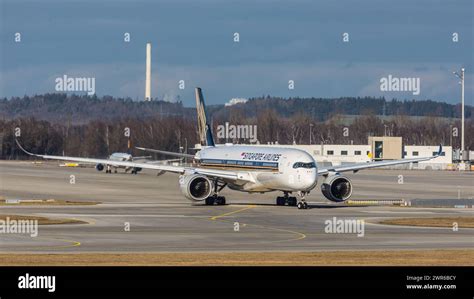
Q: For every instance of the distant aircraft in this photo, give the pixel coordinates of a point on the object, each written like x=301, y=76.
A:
x=117, y=157
x=122, y=157
x=250, y=169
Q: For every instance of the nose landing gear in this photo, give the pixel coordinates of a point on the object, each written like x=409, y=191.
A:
x=292, y=201
x=302, y=204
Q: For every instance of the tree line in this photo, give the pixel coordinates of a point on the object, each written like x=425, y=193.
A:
x=75, y=109
x=100, y=138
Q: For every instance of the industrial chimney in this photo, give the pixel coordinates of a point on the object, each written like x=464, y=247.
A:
x=148, y=73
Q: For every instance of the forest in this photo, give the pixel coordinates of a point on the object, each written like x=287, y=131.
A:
x=96, y=127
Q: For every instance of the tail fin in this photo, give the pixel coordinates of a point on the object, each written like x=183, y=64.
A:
x=205, y=131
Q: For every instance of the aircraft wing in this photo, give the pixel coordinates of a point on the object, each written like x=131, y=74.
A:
x=360, y=166
x=224, y=174
x=216, y=173
x=141, y=157
x=163, y=161
x=165, y=152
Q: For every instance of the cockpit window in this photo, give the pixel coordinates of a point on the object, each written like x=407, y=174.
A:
x=304, y=165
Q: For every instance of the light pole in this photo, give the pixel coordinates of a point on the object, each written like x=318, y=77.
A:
x=310, y=132
x=451, y=136
x=186, y=150
x=461, y=76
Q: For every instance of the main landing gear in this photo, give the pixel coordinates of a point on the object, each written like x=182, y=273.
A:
x=215, y=198
x=291, y=201
x=283, y=200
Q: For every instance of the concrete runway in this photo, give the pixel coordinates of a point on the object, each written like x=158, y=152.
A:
x=162, y=220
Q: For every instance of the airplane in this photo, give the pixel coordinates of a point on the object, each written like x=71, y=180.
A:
x=120, y=157
x=252, y=169
x=117, y=157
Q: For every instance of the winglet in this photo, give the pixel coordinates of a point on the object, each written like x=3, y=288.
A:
x=24, y=150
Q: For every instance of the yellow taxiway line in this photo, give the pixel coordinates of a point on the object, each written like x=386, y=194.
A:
x=233, y=212
x=300, y=235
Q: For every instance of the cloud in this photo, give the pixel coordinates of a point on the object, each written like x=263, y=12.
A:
x=193, y=42
x=220, y=84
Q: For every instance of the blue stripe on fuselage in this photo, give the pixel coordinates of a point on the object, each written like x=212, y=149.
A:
x=240, y=163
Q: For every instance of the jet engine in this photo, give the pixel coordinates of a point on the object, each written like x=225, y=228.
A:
x=99, y=167
x=195, y=187
x=337, y=188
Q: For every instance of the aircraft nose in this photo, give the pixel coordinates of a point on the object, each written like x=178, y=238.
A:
x=311, y=179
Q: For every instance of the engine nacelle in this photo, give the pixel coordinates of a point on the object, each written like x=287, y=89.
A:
x=195, y=187
x=337, y=188
x=99, y=167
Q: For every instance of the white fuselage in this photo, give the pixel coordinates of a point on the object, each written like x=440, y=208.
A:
x=271, y=168
x=121, y=157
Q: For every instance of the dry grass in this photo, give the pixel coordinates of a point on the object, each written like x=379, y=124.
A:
x=455, y=257
x=463, y=222
x=42, y=220
x=48, y=202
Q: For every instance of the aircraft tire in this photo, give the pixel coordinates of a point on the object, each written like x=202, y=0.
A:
x=210, y=201
x=220, y=200
x=292, y=201
x=302, y=205
x=280, y=201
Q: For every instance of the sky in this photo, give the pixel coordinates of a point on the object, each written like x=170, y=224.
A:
x=279, y=41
